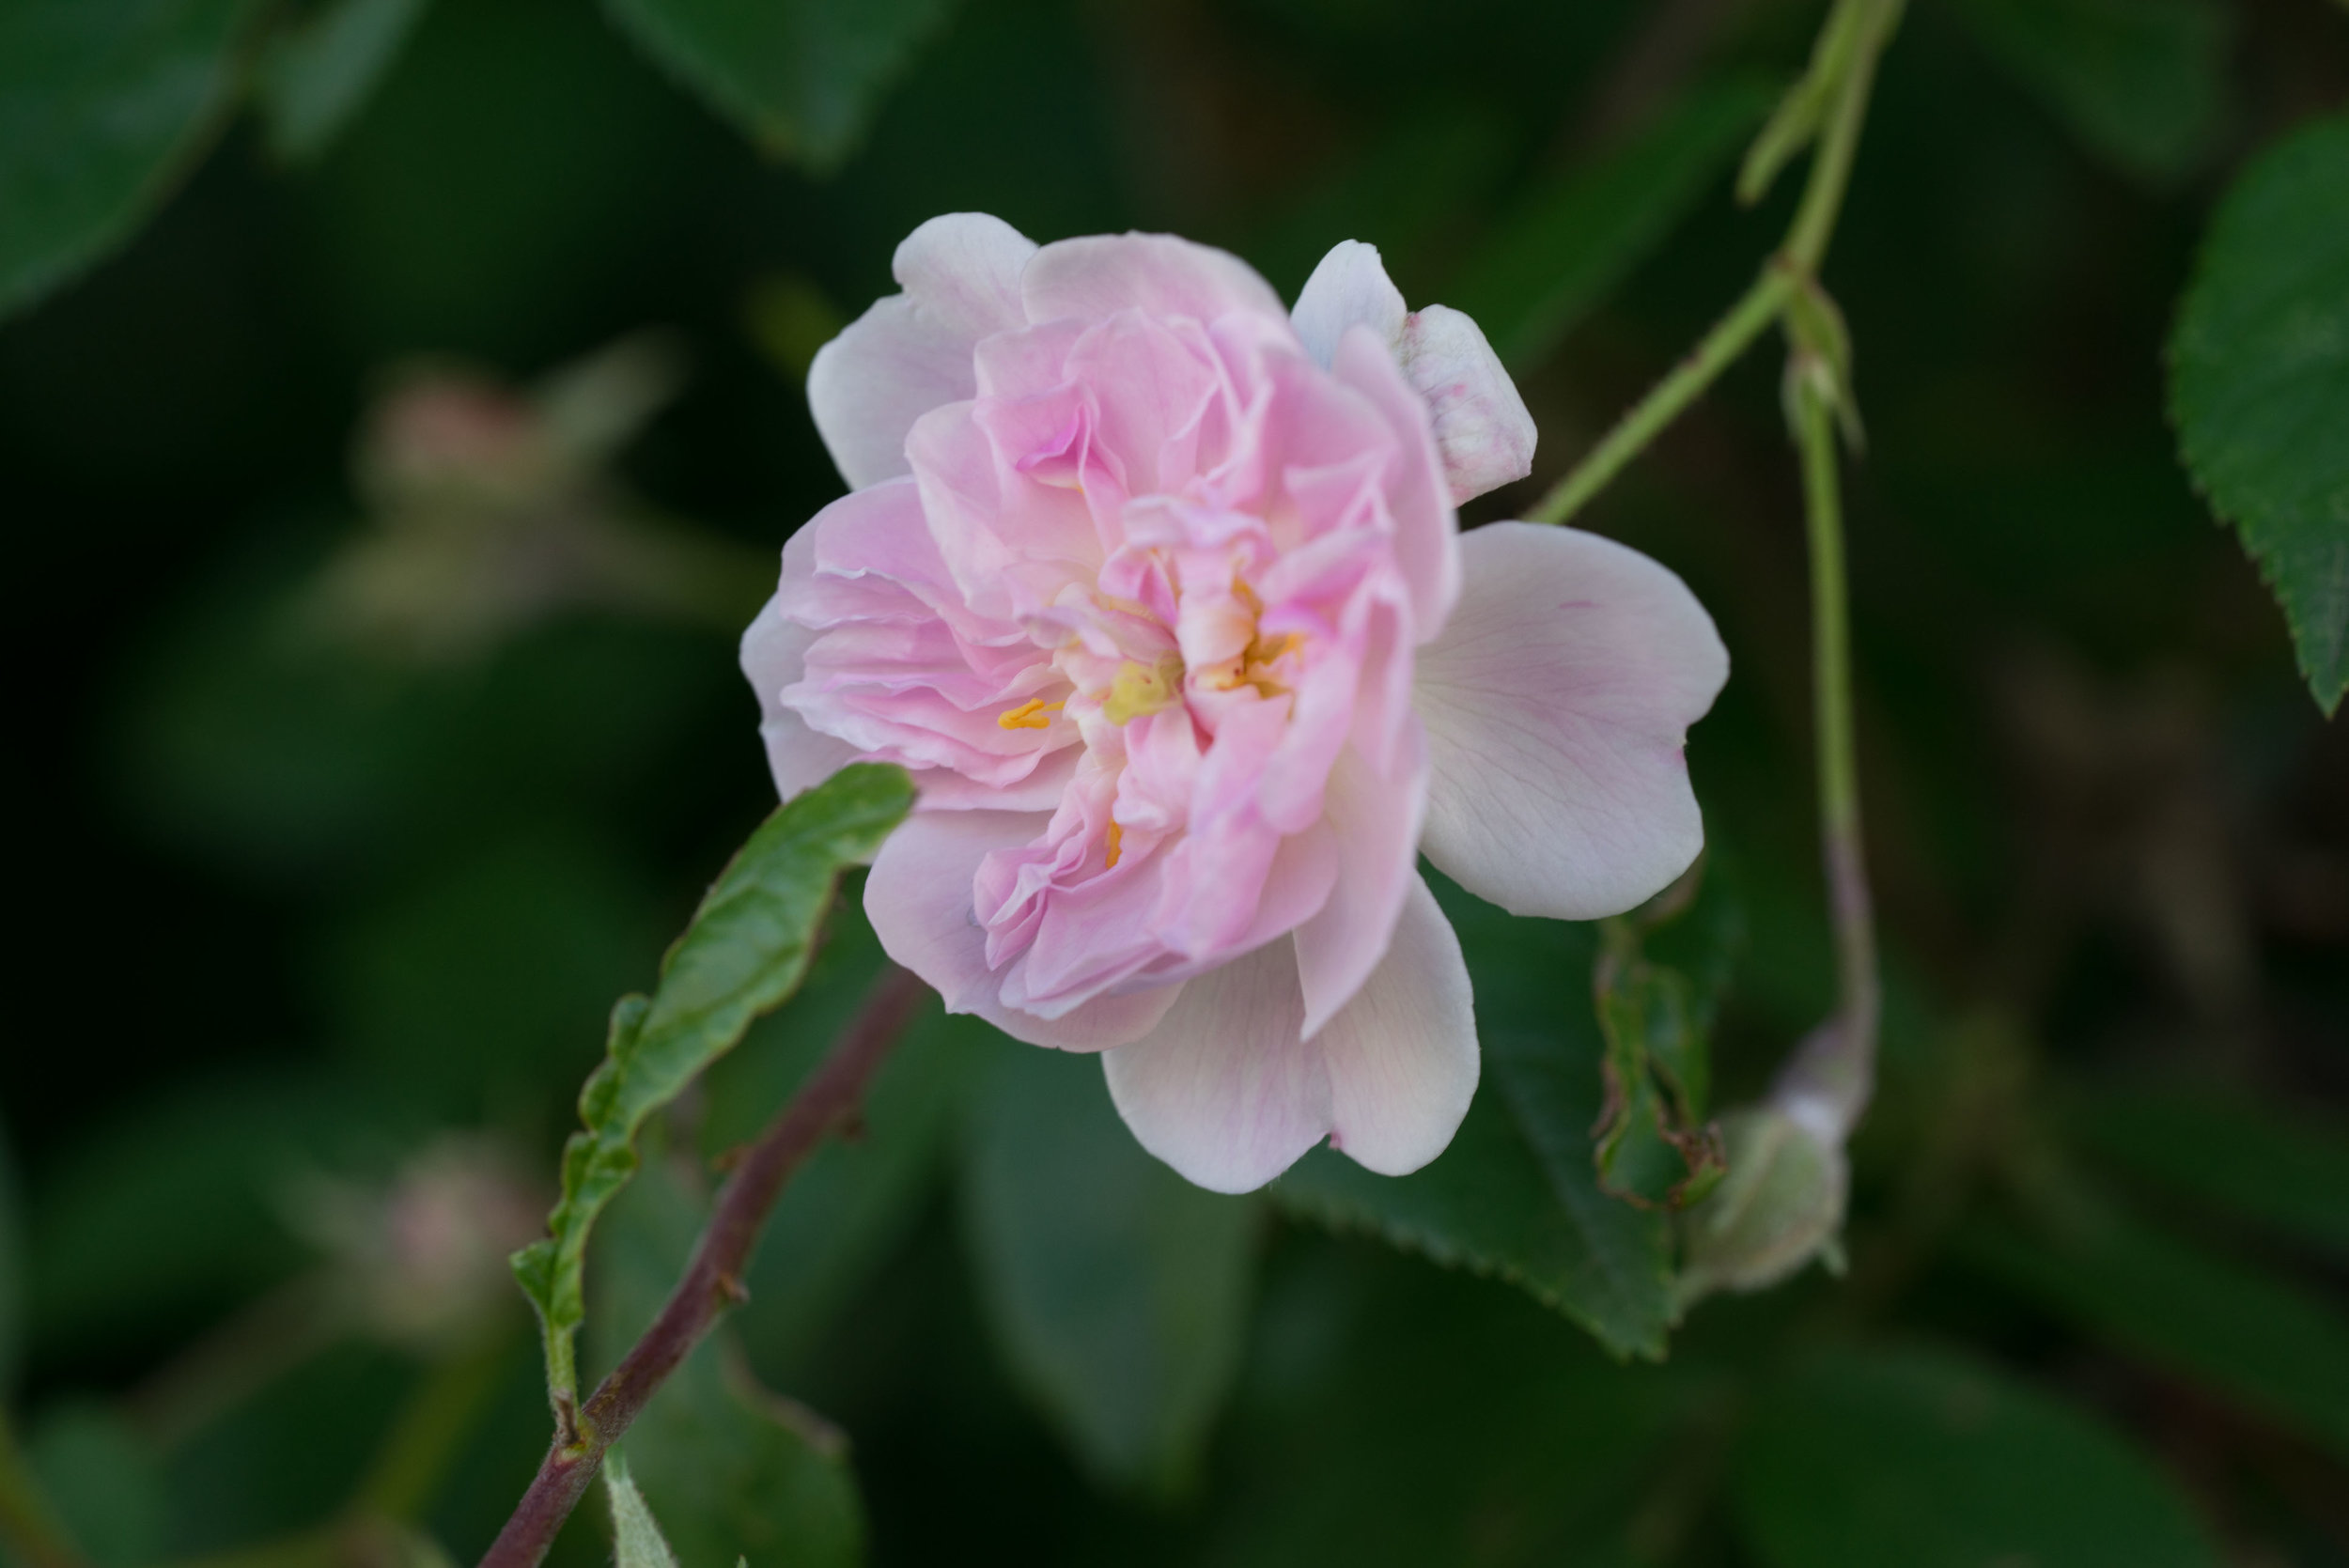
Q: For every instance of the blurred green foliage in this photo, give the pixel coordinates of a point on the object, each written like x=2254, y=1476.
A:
x=306, y=908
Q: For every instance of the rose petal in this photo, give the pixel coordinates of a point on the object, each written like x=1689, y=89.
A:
x=1376, y=824
x=1350, y=289
x=911, y=352
x=1159, y=274
x=1223, y=1089
x=1402, y=1056
x=775, y=656
x=1556, y=703
x=919, y=899
x=1481, y=428
x=1426, y=531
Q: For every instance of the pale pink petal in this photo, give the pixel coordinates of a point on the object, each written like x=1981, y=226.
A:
x=1376, y=822
x=775, y=656
x=1402, y=1056
x=919, y=898
x=1350, y=289
x=1482, y=428
x=1426, y=532
x=1223, y=1089
x=911, y=352
x=1096, y=277
x=1556, y=704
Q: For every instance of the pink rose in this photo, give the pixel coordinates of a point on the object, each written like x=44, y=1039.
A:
x=1158, y=589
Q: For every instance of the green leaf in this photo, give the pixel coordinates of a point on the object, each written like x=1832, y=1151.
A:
x=1921, y=1458
x=636, y=1539
x=2285, y=1171
x=730, y=1468
x=1560, y=253
x=318, y=73
x=2240, y=1331
x=1394, y=1416
x=1516, y=1195
x=2259, y=384
x=103, y=104
x=744, y=953
x=1654, y=1145
x=801, y=77
x=104, y=1484
x=1118, y=1291
x=2141, y=82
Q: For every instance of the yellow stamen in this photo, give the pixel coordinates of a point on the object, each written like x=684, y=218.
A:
x=1117, y=845
x=1139, y=688
x=1029, y=715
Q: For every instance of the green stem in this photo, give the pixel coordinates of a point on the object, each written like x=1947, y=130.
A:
x=1714, y=352
x=29, y=1527
x=1830, y=166
x=1836, y=1071
x=1798, y=261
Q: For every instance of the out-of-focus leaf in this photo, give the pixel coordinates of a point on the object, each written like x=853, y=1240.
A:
x=2141, y=82
x=1118, y=1291
x=266, y=743
x=2285, y=1173
x=11, y=1268
x=1923, y=1459
x=803, y=77
x=1394, y=1416
x=636, y=1539
x=2259, y=384
x=318, y=72
x=742, y=954
x=728, y=1468
x=855, y=1199
x=102, y=1483
x=482, y=984
x=102, y=105
x=2240, y=1331
x=1516, y=1194
x=178, y=1209
x=1408, y=193
x=1560, y=253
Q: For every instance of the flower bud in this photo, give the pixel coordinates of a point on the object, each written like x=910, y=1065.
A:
x=422, y=1262
x=1781, y=1204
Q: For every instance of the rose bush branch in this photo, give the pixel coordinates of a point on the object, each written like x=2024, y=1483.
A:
x=1831, y=102
x=1830, y=1081
x=712, y=1283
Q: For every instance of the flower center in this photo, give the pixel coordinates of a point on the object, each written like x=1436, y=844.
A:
x=1138, y=689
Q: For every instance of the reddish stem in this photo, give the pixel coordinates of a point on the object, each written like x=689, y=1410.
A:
x=713, y=1280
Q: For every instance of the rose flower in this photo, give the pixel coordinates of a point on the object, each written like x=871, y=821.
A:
x=1158, y=589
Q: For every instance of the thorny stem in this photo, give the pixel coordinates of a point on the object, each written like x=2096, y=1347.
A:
x=30, y=1530
x=713, y=1279
x=1797, y=261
